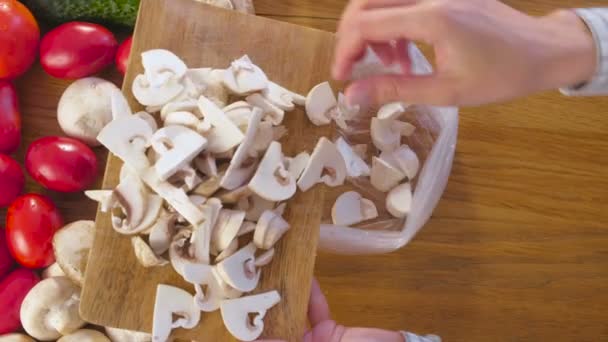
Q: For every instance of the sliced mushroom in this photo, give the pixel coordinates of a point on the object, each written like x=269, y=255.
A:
x=185, y=119
x=272, y=181
x=128, y=139
x=224, y=135
x=202, y=232
x=53, y=271
x=177, y=147
x=272, y=113
x=155, y=96
x=360, y=150
x=384, y=176
x=234, y=196
x=162, y=233
x=319, y=103
x=105, y=198
x=121, y=335
x=206, y=164
x=386, y=134
x=186, y=178
x=351, y=208
x=391, y=111
x=326, y=165
x=180, y=251
x=50, y=309
x=270, y=228
x=187, y=106
x=208, y=300
x=173, y=308
x=243, y=77
x=208, y=187
x=84, y=335
x=233, y=271
x=16, y=338
x=404, y=159
x=254, y=206
x=71, y=245
x=239, y=113
x=149, y=119
x=246, y=228
x=236, y=314
x=355, y=166
x=399, y=200
x=226, y=229
x=279, y=96
x=296, y=165
x=265, y=258
x=230, y=250
x=266, y=134
x=162, y=66
x=151, y=206
x=144, y=253
x=211, y=80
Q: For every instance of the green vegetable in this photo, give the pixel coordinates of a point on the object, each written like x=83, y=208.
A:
x=111, y=12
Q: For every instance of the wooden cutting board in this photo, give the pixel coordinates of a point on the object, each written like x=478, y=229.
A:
x=118, y=292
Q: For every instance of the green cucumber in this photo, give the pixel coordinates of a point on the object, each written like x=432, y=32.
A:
x=110, y=12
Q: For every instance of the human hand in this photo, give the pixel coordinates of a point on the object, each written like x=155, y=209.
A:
x=324, y=329
x=485, y=51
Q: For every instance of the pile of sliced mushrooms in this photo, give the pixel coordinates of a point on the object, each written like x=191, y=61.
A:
x=205, y=183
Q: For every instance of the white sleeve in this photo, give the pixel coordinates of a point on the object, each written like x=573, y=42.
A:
x=597, y=21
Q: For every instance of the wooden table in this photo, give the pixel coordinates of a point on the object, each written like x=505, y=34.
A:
x=517, y=249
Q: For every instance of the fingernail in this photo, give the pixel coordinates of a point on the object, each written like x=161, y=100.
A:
x=358, y=94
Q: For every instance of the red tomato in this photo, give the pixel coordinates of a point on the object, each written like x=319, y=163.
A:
x=10, y=120
x=13, y=290
x=6, y=261
x=122, y=56
x=61, y=164
x=11, y=180
x=31, y=222
x=77, y=49
x=19, y=36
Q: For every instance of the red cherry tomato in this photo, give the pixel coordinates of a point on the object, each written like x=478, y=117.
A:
x=11, y=180
x=61, y=164
x=122, y=56
x=10, y=119
x=31, y=222
x=19, y=36
x=13, y=290
x=6, y=261
x=77, y=49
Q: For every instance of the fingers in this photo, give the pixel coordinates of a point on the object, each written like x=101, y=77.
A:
x=379, y=26
x=375, y=91
x=370, y=335
x=318, y=309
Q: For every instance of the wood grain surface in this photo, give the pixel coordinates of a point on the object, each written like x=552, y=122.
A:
x=119, y=292
x=517, y=249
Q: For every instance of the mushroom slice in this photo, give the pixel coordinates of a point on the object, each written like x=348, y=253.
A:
x=239, y=113
x=384, y=176
x=246, y=228
x=71, y=245
x=230, y=250
x=118, y=103
x=234, y=272
x=188, y=106
x=234, y=196
x=202, y=232
x=105, y=198
x=254, y=206
x=404, y=159
x=360, y=150
x=326, y=165
x=149, y=119
x=272, y=181
x=265, y=258
x=177, y=146
x=224, y=135
x=128, y=139
x=296, y=165
x=265, y=135
x=84, y=335
x=152, y=211
x=180, y=254
x=206, y=164
x=226, y=229
x=355, y=166
x=16, y=338
x=173, y=302
x=399, y=200
x=208, y=187
x=391, y=111
x=52, y=271
x=279, y=96
x=319, y=102
x=243, y=77
x=121, y=335
x=161, y=66
x=236, y=314
x=185, y=119
x=270, y=228
x=144, y=253
x=132, y=197
x=155, y=96
x=351, y=208
x=211, y=82
x=50, y=309
x=272, y=113
x=185, y=177
x=162, y=233
x=386, y=134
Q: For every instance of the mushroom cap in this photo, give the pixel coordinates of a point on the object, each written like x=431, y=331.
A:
x=50, y=309
x=232, y=269
x=71, y=245
x=319, y=102
x=84, y=335
x=326, y=165
x=399, y=200
x=16, y=338
x=235, y=313
x=172, y=301
x=162, y=66
x=271, y=181
x=384, y=176
x=355, y=165
x=224, y=135
x=121, y=335
x=85, y=108
x=351, y=208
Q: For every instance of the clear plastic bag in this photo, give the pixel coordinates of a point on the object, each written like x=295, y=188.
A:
x=434, y=141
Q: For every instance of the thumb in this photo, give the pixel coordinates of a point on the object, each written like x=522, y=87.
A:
x=375, y=91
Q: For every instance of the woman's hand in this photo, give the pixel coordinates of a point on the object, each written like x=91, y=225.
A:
x=485, y=51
